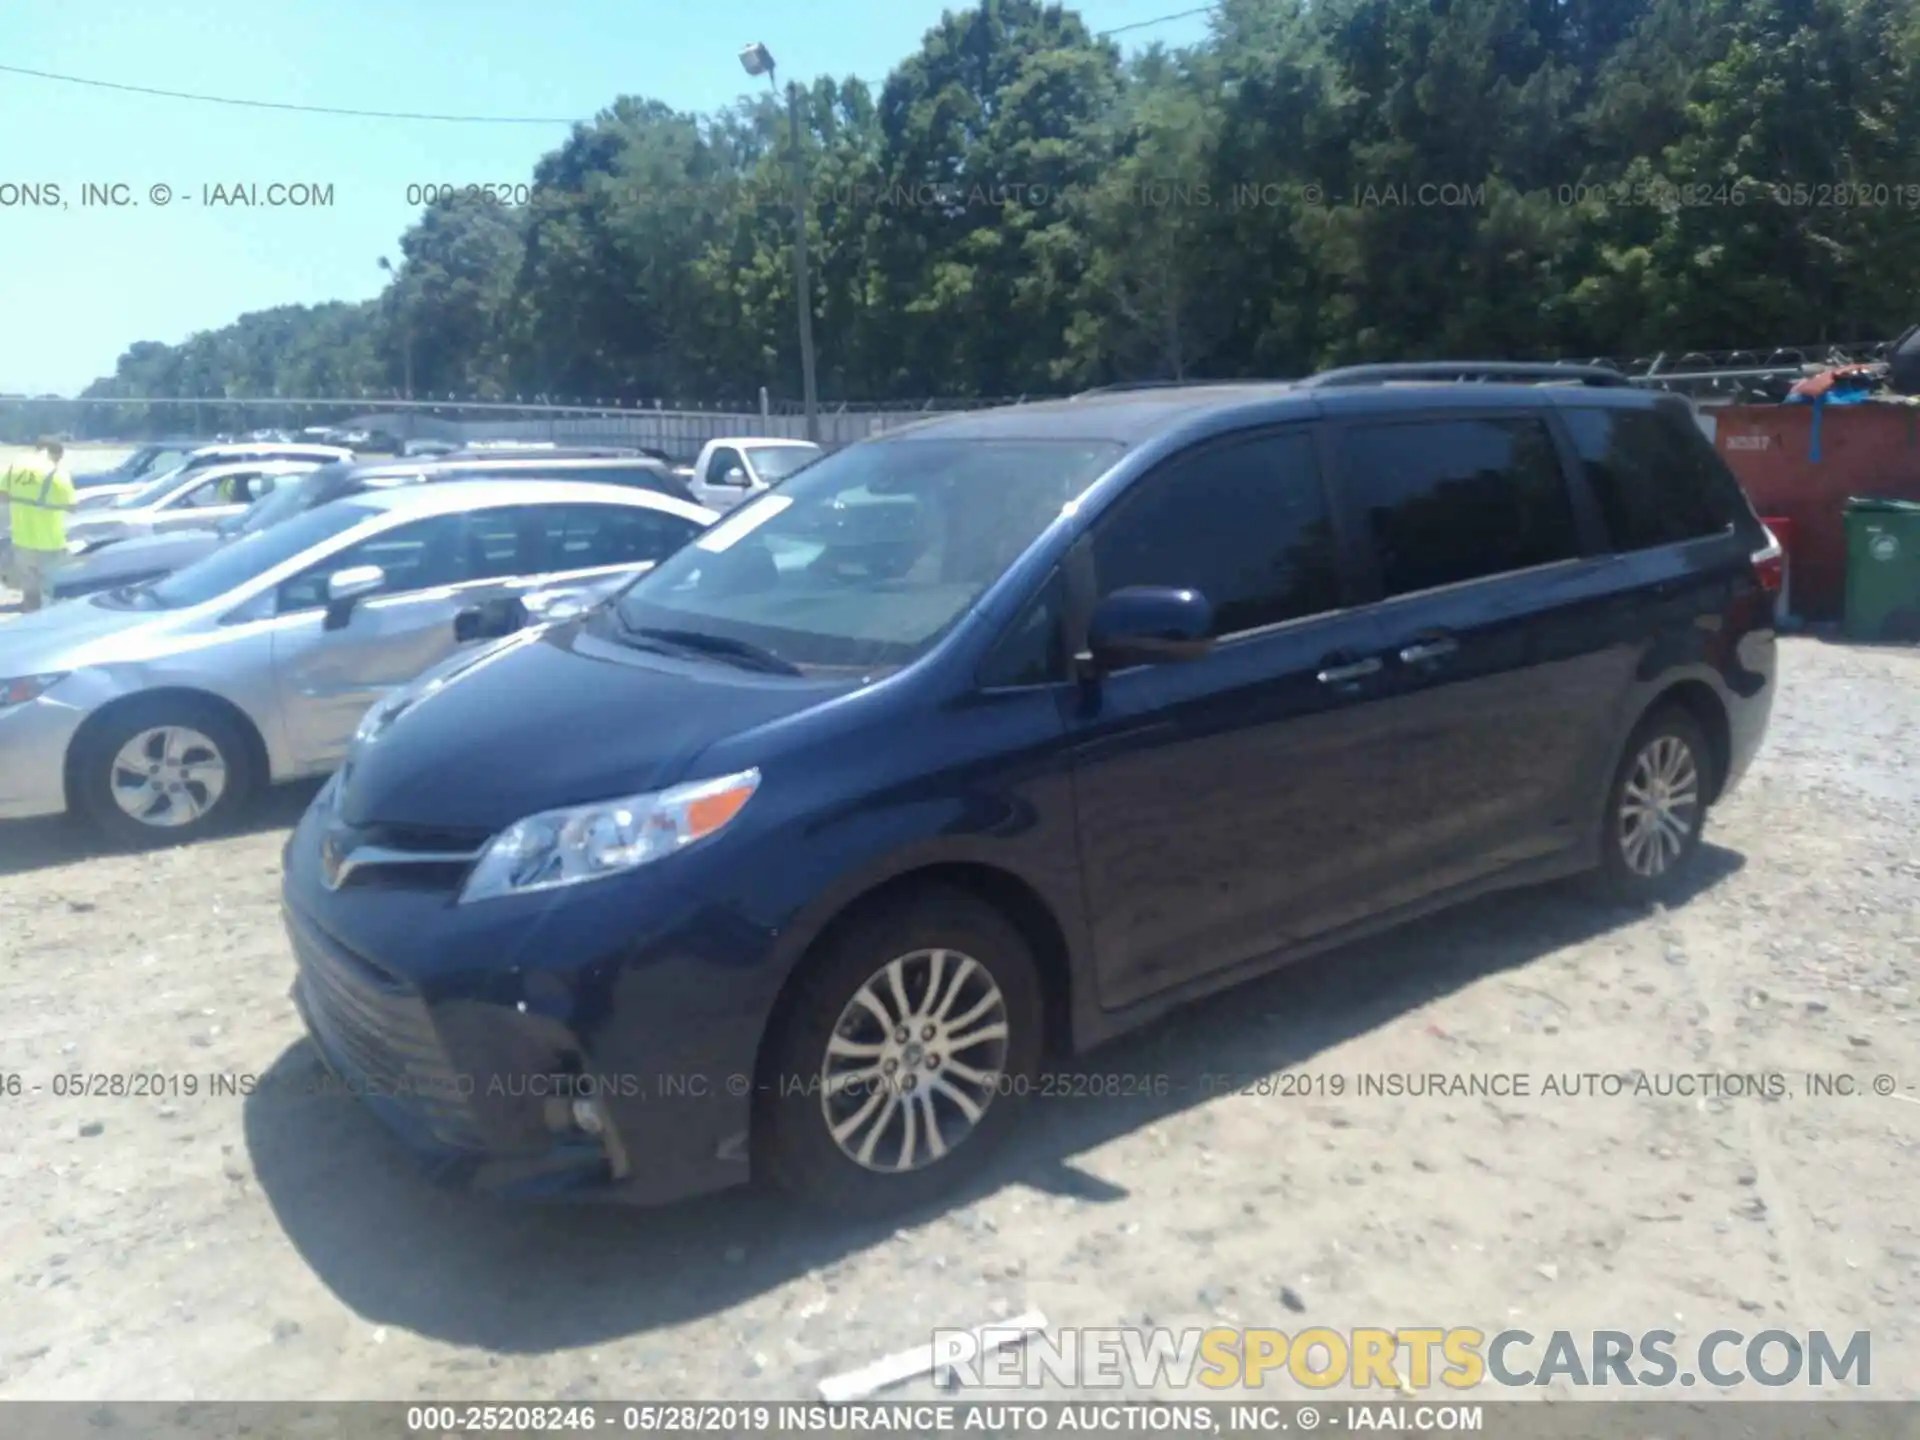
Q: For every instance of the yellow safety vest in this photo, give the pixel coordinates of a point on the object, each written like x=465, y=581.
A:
x=39, y=499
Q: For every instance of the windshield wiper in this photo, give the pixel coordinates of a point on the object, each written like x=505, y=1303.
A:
x=740, y=652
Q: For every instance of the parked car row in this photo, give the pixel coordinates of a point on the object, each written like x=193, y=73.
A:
x=994, y=736
x=97, y=494
x=190, y=520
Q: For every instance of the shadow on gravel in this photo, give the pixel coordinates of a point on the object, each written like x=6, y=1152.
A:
x=63, y=839
x=459, y=1268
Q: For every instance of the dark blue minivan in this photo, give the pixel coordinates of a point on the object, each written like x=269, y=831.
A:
x=1000, y=735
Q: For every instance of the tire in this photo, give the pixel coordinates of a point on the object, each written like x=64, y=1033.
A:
x=793, y=1144
x=1633, y=871
x=219, y=778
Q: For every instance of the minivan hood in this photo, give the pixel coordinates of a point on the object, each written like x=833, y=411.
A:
x=562, y=716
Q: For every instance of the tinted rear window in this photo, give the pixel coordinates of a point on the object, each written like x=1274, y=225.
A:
x=1443, y=501
x=1655, y=476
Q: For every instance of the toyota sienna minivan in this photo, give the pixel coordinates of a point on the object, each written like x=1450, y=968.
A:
x=999, y=735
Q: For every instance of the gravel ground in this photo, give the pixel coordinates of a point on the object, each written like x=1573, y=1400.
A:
x=278, y=1246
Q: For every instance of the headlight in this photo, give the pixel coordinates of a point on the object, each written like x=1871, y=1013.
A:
x=23, y=688
x=586, y=842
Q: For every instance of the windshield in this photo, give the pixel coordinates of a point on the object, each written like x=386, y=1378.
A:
x=251, y=556
x=869, y=556
x=773, y=463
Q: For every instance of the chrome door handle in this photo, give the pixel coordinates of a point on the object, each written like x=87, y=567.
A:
x=1428, y=650
x=1359, y=669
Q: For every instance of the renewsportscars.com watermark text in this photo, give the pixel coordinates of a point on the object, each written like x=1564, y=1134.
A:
x=1407, y=1359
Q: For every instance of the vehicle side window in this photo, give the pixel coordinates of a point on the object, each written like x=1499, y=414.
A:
x=506, y=541
x=1244, y=522
x=1443, y=501
x=582, y=537
x=722, y=460
x=419, y=556
x=236, y=488
x=1653, y=487
x=1033, y=649
x=199, y=497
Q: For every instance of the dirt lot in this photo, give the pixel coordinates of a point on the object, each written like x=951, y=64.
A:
x=278, y=1246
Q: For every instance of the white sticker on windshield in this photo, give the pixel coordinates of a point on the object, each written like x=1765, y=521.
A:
x=735, y=528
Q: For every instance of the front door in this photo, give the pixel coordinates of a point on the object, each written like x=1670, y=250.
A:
x=557, y=557
x=327, y=679
x=1225, y=805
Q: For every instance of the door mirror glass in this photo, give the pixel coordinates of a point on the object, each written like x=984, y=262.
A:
x=345, y=588
x=1149, y=624
x=490, y=620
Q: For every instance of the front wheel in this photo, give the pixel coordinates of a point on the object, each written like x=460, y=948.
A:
x=162, y=772
x=903, y=1056
x=1657, y=809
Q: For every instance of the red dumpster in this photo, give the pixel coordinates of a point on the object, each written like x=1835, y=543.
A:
x=1865, y=449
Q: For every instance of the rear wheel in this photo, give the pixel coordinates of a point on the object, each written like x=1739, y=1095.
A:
x=903, y=1056
x=1657, y=809
x=163, y=772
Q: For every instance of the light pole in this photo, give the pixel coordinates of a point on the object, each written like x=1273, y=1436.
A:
x=406, y=327
x=756, y=59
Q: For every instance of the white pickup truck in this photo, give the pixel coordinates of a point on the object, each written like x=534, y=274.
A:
x=732, y=470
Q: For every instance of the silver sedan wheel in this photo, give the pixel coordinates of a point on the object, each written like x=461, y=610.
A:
x=914, y=1061
x=168, y=776
x=1660, y=806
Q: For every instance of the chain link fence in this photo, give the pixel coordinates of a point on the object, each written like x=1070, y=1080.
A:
x=680, y=428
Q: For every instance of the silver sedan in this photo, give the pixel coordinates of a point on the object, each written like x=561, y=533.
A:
x=157, y=711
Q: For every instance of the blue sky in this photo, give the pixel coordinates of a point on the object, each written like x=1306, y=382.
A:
x=79, y=283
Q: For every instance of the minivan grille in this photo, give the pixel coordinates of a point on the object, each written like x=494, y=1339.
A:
x=379, y=1028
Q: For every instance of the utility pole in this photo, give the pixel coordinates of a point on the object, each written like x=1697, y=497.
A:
x=756, y=59
x=406, y=327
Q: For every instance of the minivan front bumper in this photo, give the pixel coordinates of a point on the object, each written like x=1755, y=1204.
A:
x=471, y=1032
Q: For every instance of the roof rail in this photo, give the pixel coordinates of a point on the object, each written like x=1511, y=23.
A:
x=1126, y=385
x=1211, y=382
x=1491, y=372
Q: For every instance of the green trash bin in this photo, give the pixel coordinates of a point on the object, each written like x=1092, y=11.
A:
x=1883, y=569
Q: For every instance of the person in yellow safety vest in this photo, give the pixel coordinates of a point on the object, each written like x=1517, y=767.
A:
x=39, y=493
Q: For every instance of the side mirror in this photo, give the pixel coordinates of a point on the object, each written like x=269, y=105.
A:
x=734, y=475
x=1149, y=625
x=489, y=620
x=346, y=588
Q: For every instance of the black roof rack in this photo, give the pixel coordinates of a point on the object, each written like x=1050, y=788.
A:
x=1488, y=372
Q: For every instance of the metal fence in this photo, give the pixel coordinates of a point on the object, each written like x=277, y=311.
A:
x=680, y=433
x=1710, y=378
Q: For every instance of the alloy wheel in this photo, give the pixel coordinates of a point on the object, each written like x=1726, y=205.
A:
x=1660, y=806
x=915, y=1059
x=168, y=776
